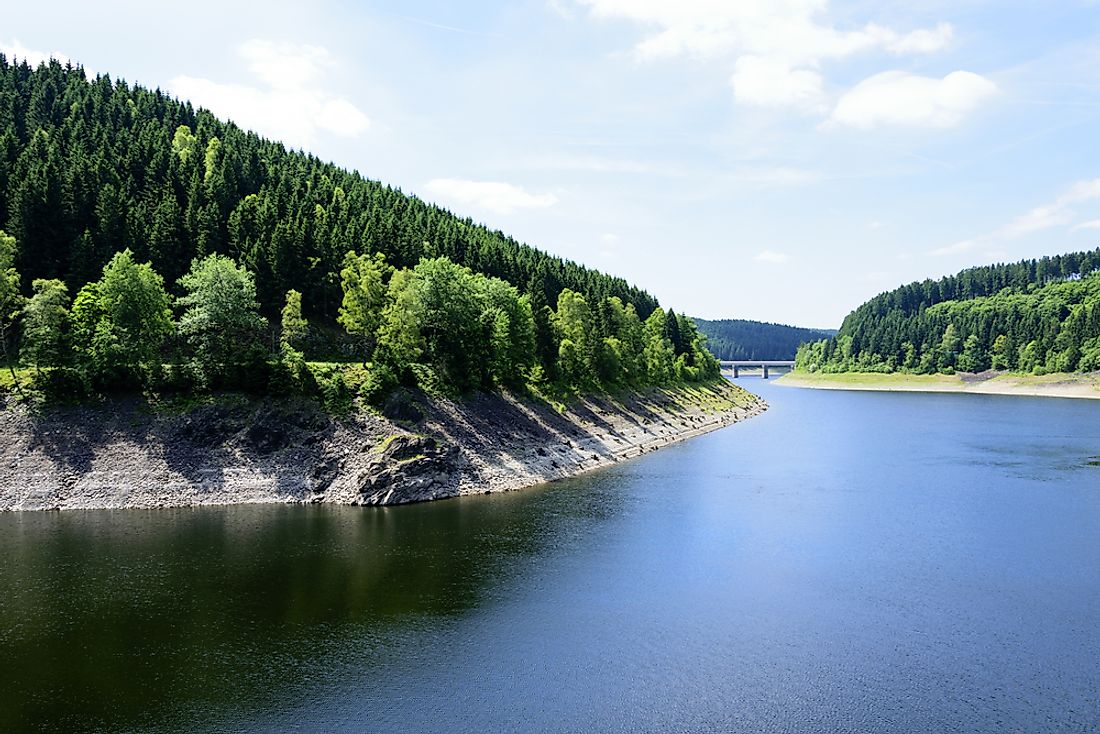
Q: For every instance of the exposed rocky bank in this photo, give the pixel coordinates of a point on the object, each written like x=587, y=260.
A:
x=125, y=454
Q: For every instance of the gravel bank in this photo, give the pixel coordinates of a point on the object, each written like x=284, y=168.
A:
x=235, y=450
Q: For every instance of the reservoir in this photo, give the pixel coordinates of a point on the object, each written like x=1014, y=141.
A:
x=846, y=562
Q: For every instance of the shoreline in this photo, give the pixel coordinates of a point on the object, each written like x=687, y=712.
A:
x=1061, y=385
x=236, y=450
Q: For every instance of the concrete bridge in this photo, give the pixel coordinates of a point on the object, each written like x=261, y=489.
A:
x=764, y=364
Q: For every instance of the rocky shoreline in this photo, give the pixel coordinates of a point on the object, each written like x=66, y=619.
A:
x=235, y=450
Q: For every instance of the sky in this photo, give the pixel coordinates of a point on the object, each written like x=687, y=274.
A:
x=779, y=160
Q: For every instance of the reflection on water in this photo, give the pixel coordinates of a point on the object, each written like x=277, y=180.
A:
x=846, y=562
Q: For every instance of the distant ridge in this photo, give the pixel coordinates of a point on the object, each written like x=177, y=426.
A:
x=742, y=339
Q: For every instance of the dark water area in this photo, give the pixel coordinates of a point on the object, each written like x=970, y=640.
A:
x=847, y=562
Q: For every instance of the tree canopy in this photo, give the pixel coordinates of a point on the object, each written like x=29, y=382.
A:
x=1035, y=316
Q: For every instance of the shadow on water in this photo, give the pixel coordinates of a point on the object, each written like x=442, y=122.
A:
x=134, y=619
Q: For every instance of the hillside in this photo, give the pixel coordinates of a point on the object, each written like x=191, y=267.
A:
x=731, y=339
x=1034, y=316
x=92, y=167
x=193, y=254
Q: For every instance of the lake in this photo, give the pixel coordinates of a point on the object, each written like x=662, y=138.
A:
x=847, y=562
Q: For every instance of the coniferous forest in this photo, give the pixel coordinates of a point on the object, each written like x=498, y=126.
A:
x=733, y=339
x=1035, y=316
x=147, y=240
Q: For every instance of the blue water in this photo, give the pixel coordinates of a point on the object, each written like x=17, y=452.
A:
x=851, y=562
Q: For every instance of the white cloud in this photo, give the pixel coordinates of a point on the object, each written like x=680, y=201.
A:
x=290, y=104
x=16, y=50
x=493, y=196
x=920, y=41
x=790, y=30
x=958, y=247
x=341, y=117
x=772, y=257
x=770, y=83
x=901, y=98
x=284, y=65
x=779, y=45
x=1057, y=213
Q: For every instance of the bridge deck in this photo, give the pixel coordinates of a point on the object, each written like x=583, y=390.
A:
x=756, y=363
x=737, y=365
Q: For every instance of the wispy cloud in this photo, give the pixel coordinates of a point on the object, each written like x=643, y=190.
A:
x=772, y=258
x=780, y=176
x=445, y=27
x=1057, y=213
x=497, y=197
x=290, y=103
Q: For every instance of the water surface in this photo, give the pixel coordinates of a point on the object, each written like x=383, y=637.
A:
x=853, y=562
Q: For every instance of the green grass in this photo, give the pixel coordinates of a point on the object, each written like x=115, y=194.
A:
x=25, y=376
x=952, y=383
x=868, y=378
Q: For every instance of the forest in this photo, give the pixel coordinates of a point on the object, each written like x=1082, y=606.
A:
x=733, y=339
x=1035, y=316
x=147, y=242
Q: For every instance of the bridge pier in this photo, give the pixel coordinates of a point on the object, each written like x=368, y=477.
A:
x=736, y=372
x=765, y=371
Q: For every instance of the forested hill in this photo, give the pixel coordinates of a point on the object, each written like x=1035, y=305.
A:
x=731, y=339
x=1035, y=316
x=92, y=167
x=146, y=244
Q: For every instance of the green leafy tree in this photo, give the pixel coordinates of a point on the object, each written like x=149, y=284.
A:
x=295, y=327
x=442, y=300
x=45, y=325
x=472, y=331
x=221, y=318
x=510, y=326
x=973, y=358
x=362, y=280
x=400, y=344
x=658, y=354
x=949, y=348
x=122, y=320
x=11, y=300
x=577, y=341
x=1000, y=353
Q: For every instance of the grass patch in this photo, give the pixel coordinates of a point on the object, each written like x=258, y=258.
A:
x=1056, y=384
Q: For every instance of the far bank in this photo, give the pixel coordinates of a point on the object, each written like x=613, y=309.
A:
x=1062, y=385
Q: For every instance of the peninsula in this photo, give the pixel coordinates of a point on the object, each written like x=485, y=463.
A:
x=192, y=314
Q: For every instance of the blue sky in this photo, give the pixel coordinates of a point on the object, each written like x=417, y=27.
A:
x=780, y=160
